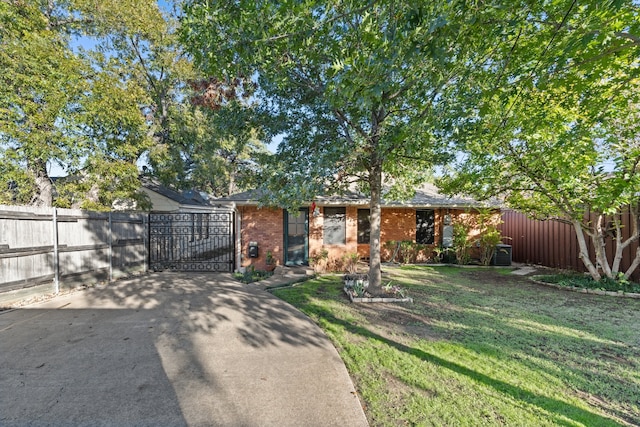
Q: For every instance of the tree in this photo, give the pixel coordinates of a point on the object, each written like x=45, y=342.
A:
x=554, y=124
x=212, y=142
x=57, y=106
x=358, y=89
x=40, y=86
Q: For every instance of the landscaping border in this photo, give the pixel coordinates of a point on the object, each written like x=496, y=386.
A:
x=621, y=294
x=375, y=299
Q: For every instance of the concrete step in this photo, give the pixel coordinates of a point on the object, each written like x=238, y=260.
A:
x=285, y=270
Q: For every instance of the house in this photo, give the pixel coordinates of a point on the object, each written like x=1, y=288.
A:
x=340, y=225
x=165, y=199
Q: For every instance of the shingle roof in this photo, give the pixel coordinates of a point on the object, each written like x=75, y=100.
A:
x=425, y=197
x=191, y=198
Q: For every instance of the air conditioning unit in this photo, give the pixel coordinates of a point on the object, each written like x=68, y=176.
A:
x=502, y=256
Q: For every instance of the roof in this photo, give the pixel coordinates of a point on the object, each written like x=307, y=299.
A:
x=426, y=197
x=189, y=198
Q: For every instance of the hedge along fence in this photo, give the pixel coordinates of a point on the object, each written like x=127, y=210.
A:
x=554, y=244
x=45, y=250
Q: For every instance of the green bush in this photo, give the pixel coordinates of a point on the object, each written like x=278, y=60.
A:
x=405, y=251
x=251, y=275
x=490, y=236
x=587, y=282
x=319, y=260
x=350, y=262
x=461, y=243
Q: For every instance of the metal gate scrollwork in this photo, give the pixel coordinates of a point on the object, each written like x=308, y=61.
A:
x=191, y=241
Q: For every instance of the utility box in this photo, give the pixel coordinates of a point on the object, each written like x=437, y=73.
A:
x=253, y=249
x=502, y=256
x=447, y=236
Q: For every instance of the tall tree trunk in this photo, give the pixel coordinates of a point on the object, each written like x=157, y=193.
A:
x=375, y=211
x=598, y=238
x=233, y=170
x=584, y=251
x=622, y=246
x=44, y=187
x=375, y=184
x=617, y=258
x=635, y=236
x=634, y=264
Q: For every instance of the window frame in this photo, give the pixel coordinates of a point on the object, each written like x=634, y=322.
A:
x=336, y=217
x=364, y=226
x=430, y=232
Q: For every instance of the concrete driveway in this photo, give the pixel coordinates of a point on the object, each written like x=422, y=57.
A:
x=170, y=349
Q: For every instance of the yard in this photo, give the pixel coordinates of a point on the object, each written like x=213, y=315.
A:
x=483, y=347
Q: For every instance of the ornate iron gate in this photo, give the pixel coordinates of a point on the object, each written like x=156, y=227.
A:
x=191, y=241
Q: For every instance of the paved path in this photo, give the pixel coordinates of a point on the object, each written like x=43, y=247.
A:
x=170, y=349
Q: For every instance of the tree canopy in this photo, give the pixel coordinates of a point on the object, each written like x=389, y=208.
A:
x=560, y=140
x=98, y=112
x=73, y=109
x=357, y=89
x=536, y=94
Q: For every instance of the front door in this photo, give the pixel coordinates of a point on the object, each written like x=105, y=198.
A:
x=296, y=237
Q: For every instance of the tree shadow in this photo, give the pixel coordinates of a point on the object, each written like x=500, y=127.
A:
x=504, y=326
x=207, y=334
x=563, y=411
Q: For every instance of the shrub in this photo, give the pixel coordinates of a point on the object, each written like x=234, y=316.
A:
x=251, y=275
x=405, y=251
x=583, y=281
x=461, y=243
x=319, y=260
x=490, y=236
x=350, y=262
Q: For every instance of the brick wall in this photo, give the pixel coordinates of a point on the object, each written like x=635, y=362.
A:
x=264, y=226
x=316, y=236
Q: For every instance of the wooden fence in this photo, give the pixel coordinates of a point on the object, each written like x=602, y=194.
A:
x=554, y=244
x=44, y=250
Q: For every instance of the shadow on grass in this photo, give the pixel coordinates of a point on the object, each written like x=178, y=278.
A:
x=565, y=413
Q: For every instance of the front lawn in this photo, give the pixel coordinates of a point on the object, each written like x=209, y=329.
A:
x=483, y=347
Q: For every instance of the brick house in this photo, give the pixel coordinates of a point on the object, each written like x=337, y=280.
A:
x=340, y=224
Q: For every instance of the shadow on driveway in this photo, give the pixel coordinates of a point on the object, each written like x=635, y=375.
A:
x=170, y=349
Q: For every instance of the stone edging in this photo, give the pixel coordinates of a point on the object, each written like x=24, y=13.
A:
x=586, y=290
x=375, y=299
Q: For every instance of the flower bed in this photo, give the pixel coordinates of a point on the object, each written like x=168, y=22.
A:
x=356, y=285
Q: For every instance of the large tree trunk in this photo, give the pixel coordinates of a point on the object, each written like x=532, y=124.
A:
x=44, y=188
x=233, y=170
x=635, y=236
x=375, y=183
x=623, y=245
x=584, y=251
x=634, y=264
x=617, y=258
x=598, y=238
x=597, y=231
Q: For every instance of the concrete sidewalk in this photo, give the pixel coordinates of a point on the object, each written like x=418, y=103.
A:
x=171, y=349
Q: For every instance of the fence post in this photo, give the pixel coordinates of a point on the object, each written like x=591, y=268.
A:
x=145, y=227
x=56, y=260
x=110, y=239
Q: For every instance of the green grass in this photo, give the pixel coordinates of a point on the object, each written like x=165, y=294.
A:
x=481, y=347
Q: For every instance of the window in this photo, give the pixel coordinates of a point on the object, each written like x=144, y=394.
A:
x=335, y=226
x=364, y=226
x=425, y=226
